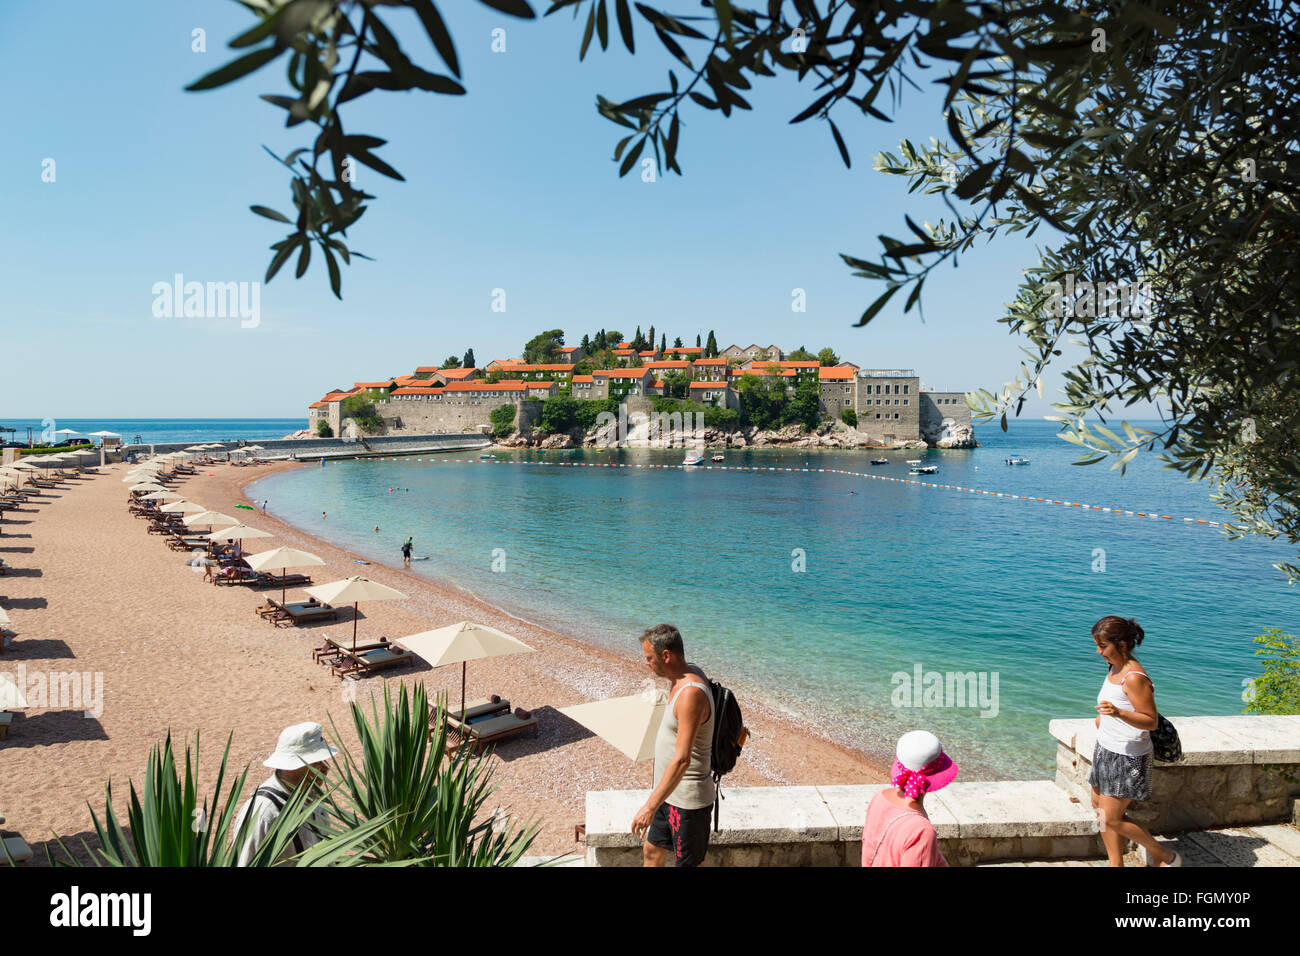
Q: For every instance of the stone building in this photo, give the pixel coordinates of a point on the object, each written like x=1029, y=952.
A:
x=888, y=404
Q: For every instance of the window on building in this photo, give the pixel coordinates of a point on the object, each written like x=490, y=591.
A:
x=904, y=401
x=904, y=389
x=895, y=414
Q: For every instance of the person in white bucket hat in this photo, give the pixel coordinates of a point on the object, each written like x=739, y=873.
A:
x=897, y=831
x=300, y=755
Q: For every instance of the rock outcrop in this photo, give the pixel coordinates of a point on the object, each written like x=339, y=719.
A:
x=825, y=435
x=953, y=434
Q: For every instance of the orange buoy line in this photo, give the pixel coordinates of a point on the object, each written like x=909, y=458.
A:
x=835, y=471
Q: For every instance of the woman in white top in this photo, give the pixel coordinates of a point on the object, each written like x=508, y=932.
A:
x=1121, y=761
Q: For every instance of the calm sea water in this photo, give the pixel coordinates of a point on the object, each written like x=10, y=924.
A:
x=816, y=590
x=161, y=430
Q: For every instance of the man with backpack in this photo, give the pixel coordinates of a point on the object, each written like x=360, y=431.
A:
x=300, y=755
x=676, y=817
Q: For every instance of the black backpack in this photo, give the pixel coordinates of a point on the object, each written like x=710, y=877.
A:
x=729, y=736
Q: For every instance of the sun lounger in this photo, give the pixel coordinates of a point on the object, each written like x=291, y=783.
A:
x=307, y=615
x=335, y=647
x=477, y=733
x=283, y=581
x=474, y=709
x=6, y=719
x=272, y=607
x=16, y=849
x=365, y=662
x=245, y=576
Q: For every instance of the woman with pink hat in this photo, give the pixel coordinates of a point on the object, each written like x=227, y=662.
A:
x=897, y=831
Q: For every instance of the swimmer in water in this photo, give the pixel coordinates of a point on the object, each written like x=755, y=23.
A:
x=376, y=529
x=322, y=514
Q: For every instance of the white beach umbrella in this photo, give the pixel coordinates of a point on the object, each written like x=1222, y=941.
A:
x=212, y=519
x=182, y=507
x=11, y=695
x=461, y=643
x=629, y=723
x=4, y=617
x=147, y=486
x=238, y=532
x=162, y=496
x=352, y=591
x=284, y=558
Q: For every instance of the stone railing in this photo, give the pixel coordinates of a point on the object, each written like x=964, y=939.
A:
x=1224, y=779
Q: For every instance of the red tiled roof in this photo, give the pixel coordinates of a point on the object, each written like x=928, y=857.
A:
x=426, y=368
x=384, y=384
x=659, y=383
x=318, y=404
x=416, y=390
x=624, y=345
x=336, y=396
x=799, y=364
x=659, y=365
x=568, y=348
x=582, y=378
x=522, y=367
x=539, y=384
x=649, y=352
x=624, y=351
x=691, y=349
x=763, y=371
x=838, y=373
x=458, y=374
x=622, y=372
x=709, y=385
x=711, y=361
x=501, y=386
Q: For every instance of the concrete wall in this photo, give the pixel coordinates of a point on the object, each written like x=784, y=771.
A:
x=312, y=448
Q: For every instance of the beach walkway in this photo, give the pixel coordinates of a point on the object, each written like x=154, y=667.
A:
x=1277, y=844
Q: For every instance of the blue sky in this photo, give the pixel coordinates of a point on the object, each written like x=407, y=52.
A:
x=511, y=187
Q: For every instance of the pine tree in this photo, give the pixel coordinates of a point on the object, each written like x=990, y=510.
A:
x=711, y=348
x=468, y=360
x=651, y=338
x=663, y=343
x=697, y=340
x=677, y=342
x=586, y=344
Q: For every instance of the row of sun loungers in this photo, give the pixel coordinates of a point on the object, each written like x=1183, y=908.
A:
x=483, y=722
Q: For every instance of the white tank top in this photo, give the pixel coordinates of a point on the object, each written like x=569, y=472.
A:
x=1114, y=734
x=696, y=788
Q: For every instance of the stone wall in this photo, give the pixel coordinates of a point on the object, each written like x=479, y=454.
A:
x=461, y=416
x=1224, y=780
x=908, y=424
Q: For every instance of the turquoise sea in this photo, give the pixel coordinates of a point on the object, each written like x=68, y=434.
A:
x=815, y=590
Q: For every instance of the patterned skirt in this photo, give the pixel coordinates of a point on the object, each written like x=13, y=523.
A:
x=1117, y=775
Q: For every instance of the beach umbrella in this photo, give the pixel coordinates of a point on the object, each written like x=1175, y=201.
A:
x=238, y=533
x=163, y=496
x=461, y=643
x=352, y=591
x=284, y=559
x=11, y=695
x=147, y=486
x=629, y=723
x=211, y=519
x=182, y=507
x=4, y=618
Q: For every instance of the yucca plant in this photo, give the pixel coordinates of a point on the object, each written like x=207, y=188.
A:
x=434, y=803
x=167, y=825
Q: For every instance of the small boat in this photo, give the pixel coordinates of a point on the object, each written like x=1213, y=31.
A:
x=924, y=470
x=693, y=460
x=718, y=458
x=487, y=457
x=914, y=462
x=880, y=461
x=1017, y=460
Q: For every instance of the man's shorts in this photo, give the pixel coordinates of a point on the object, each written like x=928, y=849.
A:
x=685, y=833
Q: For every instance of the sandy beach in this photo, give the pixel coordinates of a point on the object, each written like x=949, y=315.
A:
x=91, y=591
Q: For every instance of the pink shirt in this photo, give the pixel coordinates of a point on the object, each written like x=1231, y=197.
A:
x=910, y=842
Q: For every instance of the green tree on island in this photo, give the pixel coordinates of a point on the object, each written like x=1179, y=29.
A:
x=544, y=348
x=1149, y=145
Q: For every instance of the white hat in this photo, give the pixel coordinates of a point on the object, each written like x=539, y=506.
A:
x=300, y=745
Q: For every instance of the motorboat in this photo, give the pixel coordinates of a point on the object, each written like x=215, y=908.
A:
x=693, y=460
x=487, y=457
x=718, y=458
x=880, y=461
x=1017, y=460
x=924, y=470
x=914, y=462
